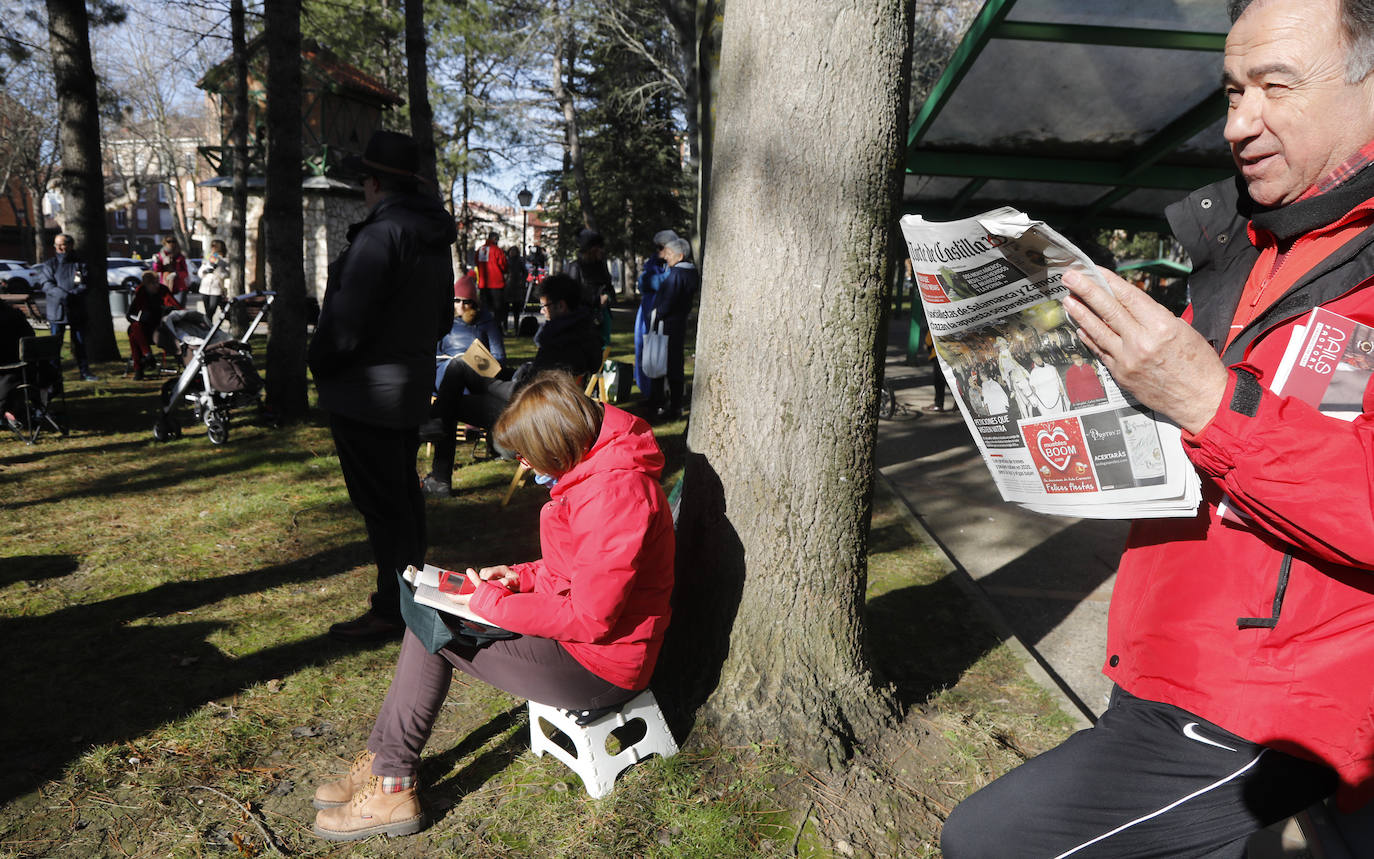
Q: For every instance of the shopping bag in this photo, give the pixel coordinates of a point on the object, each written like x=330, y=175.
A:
x=618, y=377
x=653, y=359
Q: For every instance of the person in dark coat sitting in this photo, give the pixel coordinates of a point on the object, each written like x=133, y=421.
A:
x=14, y=326
x=568, y=341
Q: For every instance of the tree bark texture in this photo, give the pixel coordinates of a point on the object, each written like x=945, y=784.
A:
x=563, y=64
x=777, y=495
x=237, y=246
x=83, y=185
x=417, y=81
x=282, y=212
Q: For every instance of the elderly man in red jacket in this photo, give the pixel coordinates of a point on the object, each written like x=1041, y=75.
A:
x=1240, y=642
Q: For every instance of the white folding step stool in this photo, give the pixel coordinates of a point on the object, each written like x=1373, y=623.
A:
x=597, y=766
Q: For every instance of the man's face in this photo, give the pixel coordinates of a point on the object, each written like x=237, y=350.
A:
x=372, y=191
x=671, y=257
x=61, y=245
x=1292, y=118
x=466, y=308
x=552, y=309
x=1077, y=359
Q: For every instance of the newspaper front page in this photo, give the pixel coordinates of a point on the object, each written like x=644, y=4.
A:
x=1058, y=435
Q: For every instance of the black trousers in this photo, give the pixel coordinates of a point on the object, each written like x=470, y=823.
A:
x=1148, y=779
x=495, y=301
x=378, y=466
x=468, y=396
x=676, y=380
x=78, y=330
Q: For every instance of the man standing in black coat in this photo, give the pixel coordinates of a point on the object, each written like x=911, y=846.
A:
x=385, y=307
x=63, y=280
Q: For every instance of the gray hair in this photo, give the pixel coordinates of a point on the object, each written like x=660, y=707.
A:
x=681, y=247
x=1357, y=27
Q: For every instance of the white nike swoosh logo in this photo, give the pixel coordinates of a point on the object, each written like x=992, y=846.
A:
x=1190, y=731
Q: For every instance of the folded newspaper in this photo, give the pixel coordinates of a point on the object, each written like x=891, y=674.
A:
x=1057, y=433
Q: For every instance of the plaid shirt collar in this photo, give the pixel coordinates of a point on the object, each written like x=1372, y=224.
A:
x=1352, y=165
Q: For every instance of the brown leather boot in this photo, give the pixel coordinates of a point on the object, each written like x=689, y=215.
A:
x=336, y=793
x=372, y=812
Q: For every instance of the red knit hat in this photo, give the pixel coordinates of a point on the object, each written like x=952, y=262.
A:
x=466, y=288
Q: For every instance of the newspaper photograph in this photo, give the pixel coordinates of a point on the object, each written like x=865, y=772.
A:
x=1057, y=433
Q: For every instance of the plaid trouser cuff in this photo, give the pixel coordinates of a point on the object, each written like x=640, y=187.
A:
x=397, y=783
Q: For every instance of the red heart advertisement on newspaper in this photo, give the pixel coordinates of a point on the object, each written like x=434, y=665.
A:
x=1060, y=455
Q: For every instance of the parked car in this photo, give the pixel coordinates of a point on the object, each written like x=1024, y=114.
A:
x=124, y=273
x=18, y=277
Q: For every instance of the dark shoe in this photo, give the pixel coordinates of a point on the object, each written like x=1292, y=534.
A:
x=436, y=488
x=87, y=377
x=138, y=375
x=368, y=627
x=667, y=414
x=934, y=409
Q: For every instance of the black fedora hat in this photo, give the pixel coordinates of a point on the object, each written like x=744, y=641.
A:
x=388, y=153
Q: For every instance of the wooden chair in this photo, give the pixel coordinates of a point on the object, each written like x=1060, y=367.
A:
x=596, y=389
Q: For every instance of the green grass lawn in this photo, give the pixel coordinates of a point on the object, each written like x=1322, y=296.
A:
x=171, y=690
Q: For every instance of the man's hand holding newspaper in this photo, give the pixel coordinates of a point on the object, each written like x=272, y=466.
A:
x=1160, y=359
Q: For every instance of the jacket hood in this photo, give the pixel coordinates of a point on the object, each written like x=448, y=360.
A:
x=625, y=443
x=431, y=222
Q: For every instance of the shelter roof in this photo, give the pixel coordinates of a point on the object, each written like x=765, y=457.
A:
x=1083, y=114
x=318, y=62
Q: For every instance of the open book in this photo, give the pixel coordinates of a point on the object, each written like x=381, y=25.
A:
x=479, y=358
x=435, y=587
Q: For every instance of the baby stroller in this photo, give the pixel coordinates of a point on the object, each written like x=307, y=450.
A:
x=217, y=374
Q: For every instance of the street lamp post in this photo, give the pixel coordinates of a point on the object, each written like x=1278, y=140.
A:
x=525, y=198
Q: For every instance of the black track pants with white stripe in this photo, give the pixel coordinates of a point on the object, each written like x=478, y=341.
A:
x=1148, y=780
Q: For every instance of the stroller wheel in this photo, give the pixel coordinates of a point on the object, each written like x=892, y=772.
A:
x=218, y=430
x=164, y=429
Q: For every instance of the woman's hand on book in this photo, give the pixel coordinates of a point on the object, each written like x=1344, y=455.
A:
x=500, y=575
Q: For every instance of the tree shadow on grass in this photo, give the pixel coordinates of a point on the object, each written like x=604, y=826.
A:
x=480, y=769
x=36, y=568
x=156, y=474
x=84, y=676
x=923, y=638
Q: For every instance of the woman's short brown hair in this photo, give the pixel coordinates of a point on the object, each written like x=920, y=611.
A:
x=550, y=423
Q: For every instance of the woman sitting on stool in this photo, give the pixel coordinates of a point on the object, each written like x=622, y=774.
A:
x=591, y=613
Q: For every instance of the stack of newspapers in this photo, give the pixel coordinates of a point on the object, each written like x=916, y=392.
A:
x=1057, y=433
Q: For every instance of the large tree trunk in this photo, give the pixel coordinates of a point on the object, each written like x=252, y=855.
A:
x=563, y=94
x=237, y=244
x=776, y=503
x=83, y=185
x=417, y=81
x=282, y=214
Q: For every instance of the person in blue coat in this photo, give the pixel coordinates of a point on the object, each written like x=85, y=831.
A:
x=672, y=305
x=650, y=276
x=63, y=280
